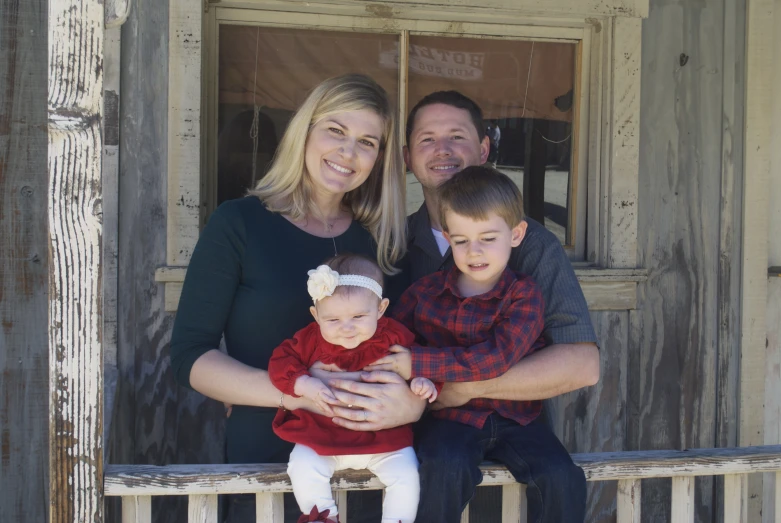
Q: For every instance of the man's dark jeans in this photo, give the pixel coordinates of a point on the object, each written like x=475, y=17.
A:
x=450, y=454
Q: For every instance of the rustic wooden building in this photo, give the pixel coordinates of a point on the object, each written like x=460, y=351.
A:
x=649, y=130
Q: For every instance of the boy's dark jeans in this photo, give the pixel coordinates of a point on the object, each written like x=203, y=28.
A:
x=450, y=454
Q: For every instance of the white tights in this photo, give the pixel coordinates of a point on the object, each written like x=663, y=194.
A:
x=311, y=474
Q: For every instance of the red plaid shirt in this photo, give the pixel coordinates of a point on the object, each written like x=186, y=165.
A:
x=475, y=338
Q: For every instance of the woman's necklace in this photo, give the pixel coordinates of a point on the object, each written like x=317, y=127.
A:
x=329, y=229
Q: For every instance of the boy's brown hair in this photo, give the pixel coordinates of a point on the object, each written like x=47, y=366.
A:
x=477, y=191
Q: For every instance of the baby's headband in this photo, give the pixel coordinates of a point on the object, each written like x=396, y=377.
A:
x=324, y=280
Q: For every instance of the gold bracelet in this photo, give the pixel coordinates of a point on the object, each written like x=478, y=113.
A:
x=281, y=399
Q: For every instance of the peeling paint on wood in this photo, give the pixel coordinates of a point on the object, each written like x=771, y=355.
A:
x=148, y=480
x=75, y=98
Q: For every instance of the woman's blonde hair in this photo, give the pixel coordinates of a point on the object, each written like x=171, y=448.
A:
x=378, y=204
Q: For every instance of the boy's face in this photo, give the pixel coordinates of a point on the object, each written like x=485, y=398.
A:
x=349, y=319
x=481, y=249
x=443, y=141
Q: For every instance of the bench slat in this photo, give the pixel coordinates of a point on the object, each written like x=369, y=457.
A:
x=514, y=503
x=136, y=509
x=735, y=490
x=683, y=500
x=202, y=509
x=269, y=508
x=341, y=504
x=628, y=501
x=778, y=496
x=465, y=515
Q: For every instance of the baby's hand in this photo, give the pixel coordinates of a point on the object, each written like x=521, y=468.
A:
x=315, y=390
x=399, y=361
x=424, y=388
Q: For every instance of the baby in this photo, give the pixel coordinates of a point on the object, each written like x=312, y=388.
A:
x=349, y=333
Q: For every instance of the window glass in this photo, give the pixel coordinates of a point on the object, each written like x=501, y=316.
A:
x=525, y=90
x=265, y=74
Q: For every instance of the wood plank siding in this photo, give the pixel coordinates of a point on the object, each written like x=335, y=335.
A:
x=669, y=368
x=24, y=265
x=684, y=335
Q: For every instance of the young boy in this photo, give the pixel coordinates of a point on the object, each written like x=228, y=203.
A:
x=473, y=322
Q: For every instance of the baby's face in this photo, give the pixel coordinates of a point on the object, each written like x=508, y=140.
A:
x=349, y=320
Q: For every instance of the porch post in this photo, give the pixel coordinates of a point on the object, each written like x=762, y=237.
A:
x=756, y=207
x=75, y=107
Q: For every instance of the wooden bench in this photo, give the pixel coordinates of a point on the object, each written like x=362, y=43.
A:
x=136, y=484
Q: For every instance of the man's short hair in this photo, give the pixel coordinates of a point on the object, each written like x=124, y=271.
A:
x=453, y=99
x=477, y=191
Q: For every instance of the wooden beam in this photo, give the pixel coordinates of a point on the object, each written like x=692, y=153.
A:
x=122, y=480
x=75, y=104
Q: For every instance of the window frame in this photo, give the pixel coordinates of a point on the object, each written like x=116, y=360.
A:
x=578, y=34
x=607, y=64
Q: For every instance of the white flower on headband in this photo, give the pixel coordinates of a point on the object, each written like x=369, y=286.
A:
x=322, y=282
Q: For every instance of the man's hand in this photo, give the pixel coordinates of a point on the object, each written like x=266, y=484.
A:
x=399, y=362
x=424, y=388
x=382, y=401
x=453, y=395
x=315, y=390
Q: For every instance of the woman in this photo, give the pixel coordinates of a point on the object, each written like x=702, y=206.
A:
x=335, y=186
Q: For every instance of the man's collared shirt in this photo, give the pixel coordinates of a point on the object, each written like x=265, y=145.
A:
x=473, y=339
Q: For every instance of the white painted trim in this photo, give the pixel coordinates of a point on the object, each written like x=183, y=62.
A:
x=184, y=129
x=759, y=96
x=623, y=145
x=603, y=289
x=396, y=8
x=135, y=480
x=508, y=29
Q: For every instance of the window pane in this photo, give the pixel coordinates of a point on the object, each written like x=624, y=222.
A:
x=266, y=73
x=526, y=92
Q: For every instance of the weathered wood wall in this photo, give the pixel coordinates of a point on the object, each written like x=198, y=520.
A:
x=669, y=369
x=684, y=337
x=157, y=421
x=24, y=368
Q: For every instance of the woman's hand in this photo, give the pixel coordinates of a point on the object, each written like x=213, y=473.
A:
x=328, y=372
x=399, y=362
x=382, y=401
x=330, y=367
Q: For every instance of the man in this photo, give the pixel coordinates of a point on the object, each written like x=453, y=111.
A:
x=445, y=133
